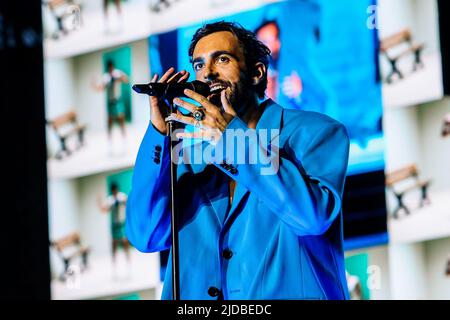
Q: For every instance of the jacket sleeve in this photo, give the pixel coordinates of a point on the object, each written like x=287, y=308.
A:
x=147, y=213
x=305, y=183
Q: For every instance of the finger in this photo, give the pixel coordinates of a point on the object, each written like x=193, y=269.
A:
x=181, y=119
x=188, y=120
x=184, y=104
x=217, y=118
x=184, y=78
x=167, y=74
x=221, y=123
x=176, y=76
x=202, y=100
x=154, y=79
x=225, y=103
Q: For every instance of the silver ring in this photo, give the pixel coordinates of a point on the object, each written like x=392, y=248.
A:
x=199, y=114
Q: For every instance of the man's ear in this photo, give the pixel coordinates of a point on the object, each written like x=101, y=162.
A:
x=259, y=72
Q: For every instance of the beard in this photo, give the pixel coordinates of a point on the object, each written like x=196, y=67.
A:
x=239, y=97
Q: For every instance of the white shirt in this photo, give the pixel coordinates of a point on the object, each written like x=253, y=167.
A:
x=113, y=84
x=117, y=207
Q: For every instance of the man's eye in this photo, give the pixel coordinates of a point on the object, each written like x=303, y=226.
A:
x=198, y=66
x=224, y=59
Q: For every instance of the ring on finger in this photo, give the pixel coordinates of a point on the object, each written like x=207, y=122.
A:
x=198, y=114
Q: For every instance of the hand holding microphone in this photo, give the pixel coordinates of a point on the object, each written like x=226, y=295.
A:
x=209, y=118
x=158, y=108
x=172, y=90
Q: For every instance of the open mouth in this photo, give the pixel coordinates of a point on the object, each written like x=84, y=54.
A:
x=216, y=88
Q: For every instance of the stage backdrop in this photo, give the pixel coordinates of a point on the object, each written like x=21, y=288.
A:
x=325, y=59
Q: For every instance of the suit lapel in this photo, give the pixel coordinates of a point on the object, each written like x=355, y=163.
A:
x=210, y=181
x=239, y=193
x=270, y=119
x=216, y=188
x=217, y=192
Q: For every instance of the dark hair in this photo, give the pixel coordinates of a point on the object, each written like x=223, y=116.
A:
x=267, y=23
x=109, y=63
x=114, y=186
x=254, y=50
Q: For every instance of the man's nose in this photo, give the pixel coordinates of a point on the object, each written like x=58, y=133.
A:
x=210, y=72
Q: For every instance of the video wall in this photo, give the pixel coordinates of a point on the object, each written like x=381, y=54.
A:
x=412, y=51
x=324, y=59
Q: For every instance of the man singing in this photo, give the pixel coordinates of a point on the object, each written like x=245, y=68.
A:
x=245, y=233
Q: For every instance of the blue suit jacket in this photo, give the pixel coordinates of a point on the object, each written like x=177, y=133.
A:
x=282, y=236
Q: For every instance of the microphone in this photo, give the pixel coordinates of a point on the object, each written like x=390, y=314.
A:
x=171, y=90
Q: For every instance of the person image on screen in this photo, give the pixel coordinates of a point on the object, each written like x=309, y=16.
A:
x=115, y=205
x=112, y=81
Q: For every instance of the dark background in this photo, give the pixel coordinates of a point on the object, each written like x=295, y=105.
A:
x=444, y=29
x=24, y=262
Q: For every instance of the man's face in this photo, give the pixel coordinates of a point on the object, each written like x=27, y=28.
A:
x=218, y=59
x=269, y=36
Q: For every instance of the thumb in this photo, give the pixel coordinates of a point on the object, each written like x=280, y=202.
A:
x=226, y=103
